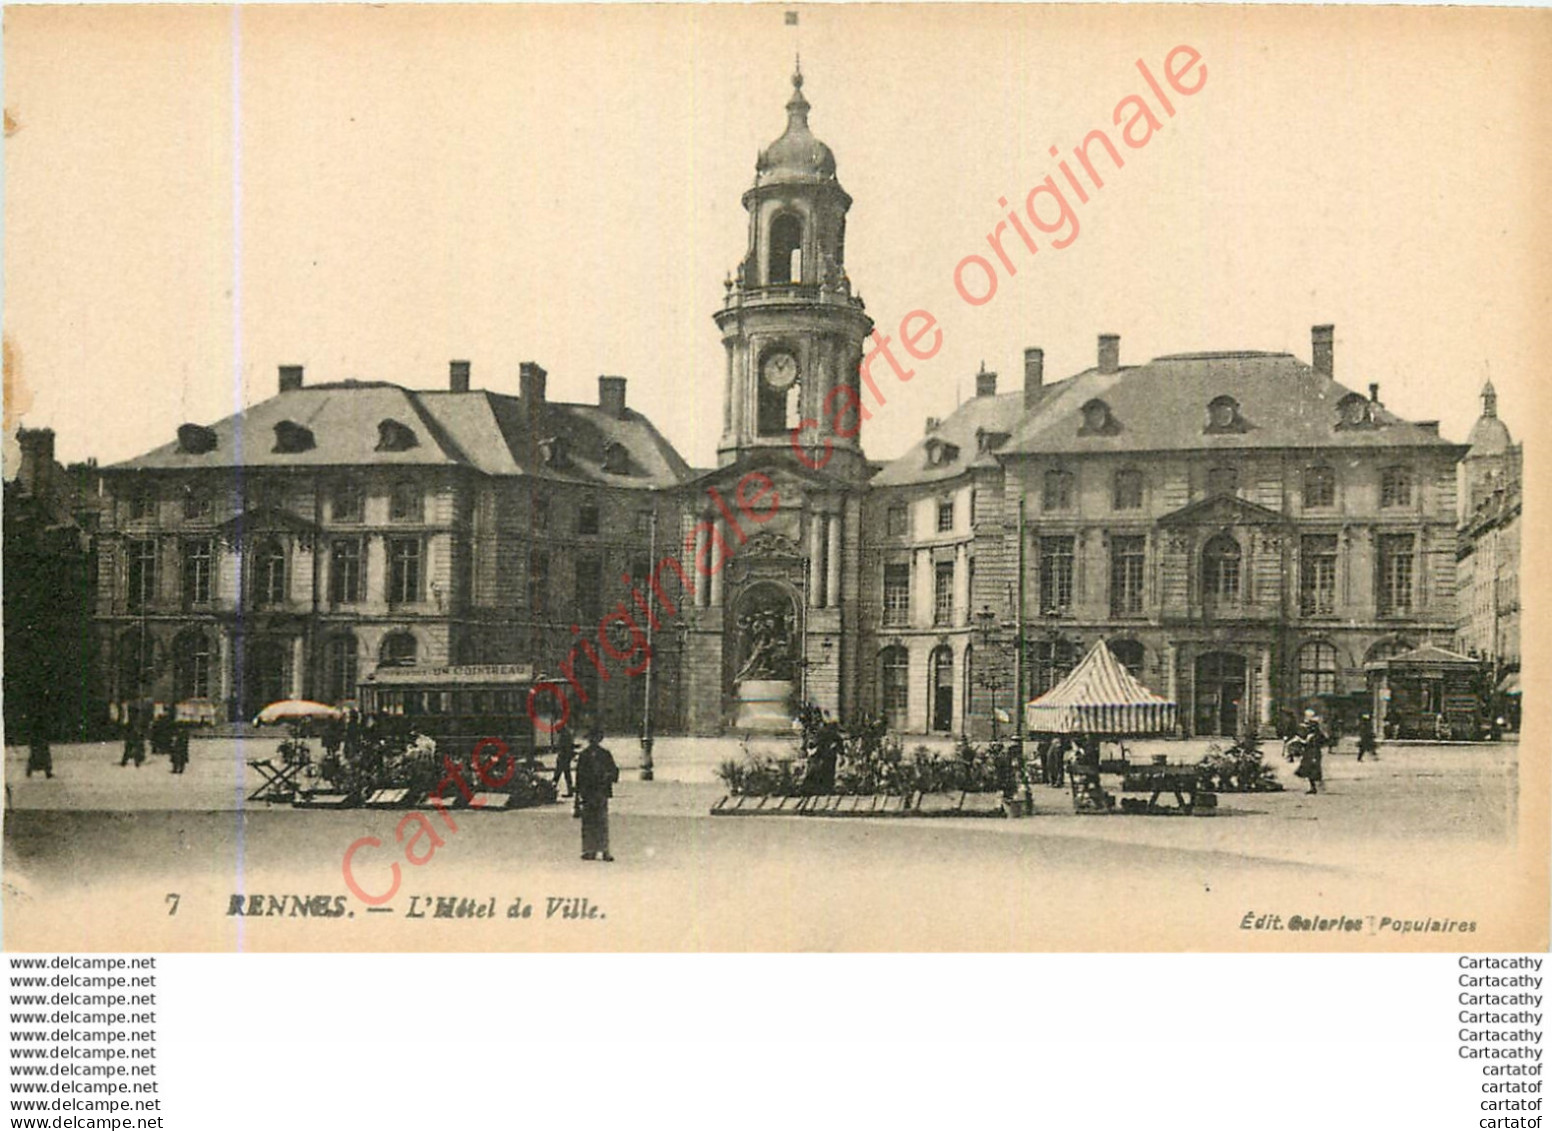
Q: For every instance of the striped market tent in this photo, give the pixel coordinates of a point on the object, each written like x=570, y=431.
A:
x=1100, y=696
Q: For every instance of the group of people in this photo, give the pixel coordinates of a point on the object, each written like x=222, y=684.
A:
x=163, y=733
x=1311, y=740
x=596, y=773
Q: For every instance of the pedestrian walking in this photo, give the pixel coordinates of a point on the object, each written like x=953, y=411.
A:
x=134, y=736
x=565, y=751
x=40, y=756
x=1312, y=748
x=1366, y=740
x=180, y=746
x=596, y=775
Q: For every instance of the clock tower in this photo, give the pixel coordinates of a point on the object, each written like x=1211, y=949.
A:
x=792, y=326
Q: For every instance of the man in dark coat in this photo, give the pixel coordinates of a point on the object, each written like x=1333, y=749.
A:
x=565, y=751
x=1366, y=743
x=596, y=775
x=134, y=736
x=1314, y=741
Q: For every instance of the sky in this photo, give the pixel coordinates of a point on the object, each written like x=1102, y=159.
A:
x=196, y=196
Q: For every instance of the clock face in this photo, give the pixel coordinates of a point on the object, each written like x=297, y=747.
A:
x=780, y=370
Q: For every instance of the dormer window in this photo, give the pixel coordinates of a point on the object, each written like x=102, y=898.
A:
x=293, y=437
x=1355, y=411
x=987, y=441
x=393, y=436
x=1223, y=415
x=196, y=439
x=1098, y=420
x=554, y=452
x=617, y=458
x=941, y=452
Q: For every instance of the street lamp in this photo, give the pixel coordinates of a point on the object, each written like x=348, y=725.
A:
x=991, y=678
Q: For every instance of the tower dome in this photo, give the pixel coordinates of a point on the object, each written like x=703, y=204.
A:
x=1489, y=435
x=797, y=155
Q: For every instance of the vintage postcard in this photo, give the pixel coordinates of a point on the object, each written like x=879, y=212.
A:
x=839, y=477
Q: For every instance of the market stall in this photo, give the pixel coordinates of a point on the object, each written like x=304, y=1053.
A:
x=1428, y=693
x=1099, y=702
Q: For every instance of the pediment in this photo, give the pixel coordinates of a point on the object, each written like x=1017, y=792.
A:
x=1224, y=510
x=791, y=477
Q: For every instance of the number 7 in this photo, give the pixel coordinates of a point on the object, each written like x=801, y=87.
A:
x=172, y=898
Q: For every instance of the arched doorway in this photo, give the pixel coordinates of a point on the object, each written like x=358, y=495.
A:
x=941, y=688
x=265, y=676
x=1220, y=693
x=894, y=685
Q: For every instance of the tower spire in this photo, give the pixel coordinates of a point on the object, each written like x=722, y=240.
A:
x=797, y=105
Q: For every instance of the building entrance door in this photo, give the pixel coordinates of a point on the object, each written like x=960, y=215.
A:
x=943, y=689
x=263, y=679
x=1220, y=693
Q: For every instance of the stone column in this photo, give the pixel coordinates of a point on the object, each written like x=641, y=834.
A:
x=716, y=580
x=702, y=589
x=961, y=587
x=816, y=577
x=1172, y=674
x=297, y=665
x=833, y=562
x=225, y=676
x=1264, y=689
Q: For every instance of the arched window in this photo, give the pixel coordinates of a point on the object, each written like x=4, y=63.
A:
x=1319, y=487
x=786, y=264
x=1130, y=654
x=1317, y=669
x=894, y=681
x=1223, y=415
x=341, y=662
x=191, y=666
x=136, y=664
x=399, y=650
x=269, y=573
x=1220, y=568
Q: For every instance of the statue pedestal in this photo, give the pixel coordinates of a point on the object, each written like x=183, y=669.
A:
x=764, y=706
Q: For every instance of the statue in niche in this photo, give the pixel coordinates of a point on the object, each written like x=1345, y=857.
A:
x=765, y=641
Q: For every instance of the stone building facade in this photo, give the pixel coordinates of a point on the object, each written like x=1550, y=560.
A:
x=1245, y=531
x=1489, y=549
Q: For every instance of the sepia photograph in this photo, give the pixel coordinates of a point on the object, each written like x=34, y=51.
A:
x=746, y=478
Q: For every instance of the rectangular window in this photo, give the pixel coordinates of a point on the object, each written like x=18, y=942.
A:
x=347, y=504
x=1127, y=495
x=946, y=516
x=404, y=571
x=943, y=593
x=897, y=595
x=1395, y=487
x=1319, y=487
x=1055, y=575
x=141, y=556
x=540, y=513
x=538, y=582
x=1127, y=556
x=345, y=571
x=590, y=589
x=899, y=524
x=142, y=504
x=1056, y=491
x=1317, y=574
x=1223, y=481
x=197, y=571
x=587, y=518
x=405, y=502
x=643, y=523
x=197, y=504
x=1396, y=572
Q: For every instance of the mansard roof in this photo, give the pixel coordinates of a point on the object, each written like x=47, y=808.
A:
x=1280, y=402
x=483, y=431
x=992, y=416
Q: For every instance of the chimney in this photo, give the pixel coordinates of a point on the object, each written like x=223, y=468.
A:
x=932, y=424
x=1110, y=353
x=1034, y=376
x=985, y=383
x=458, y=376
x=37, y=466
x=1322, y=350
x=1374, y=392
x=1429, y=426
x=290, y=378
x=530, y=384
x=611, y=396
